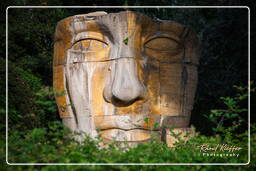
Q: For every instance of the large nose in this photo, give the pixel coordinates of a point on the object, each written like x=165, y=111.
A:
x=126, y=87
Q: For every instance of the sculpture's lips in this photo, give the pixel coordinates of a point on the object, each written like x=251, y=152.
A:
x=129, y=122
x=136, y=128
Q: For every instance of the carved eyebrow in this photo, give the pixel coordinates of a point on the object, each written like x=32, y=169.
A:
x=105, y=30
x=100, y=34
x=95, y=26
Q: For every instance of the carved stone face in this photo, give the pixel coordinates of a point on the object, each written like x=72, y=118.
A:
x=121, y=75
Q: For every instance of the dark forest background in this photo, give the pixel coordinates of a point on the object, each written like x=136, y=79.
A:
x=224, y=58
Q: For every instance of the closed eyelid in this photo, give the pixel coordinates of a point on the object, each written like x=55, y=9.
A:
x=169, y=35
x=163, y=44
x=162, y=37
x=90, y=36
x=90, y=39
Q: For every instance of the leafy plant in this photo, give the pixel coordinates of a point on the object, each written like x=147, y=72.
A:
x=229, y=120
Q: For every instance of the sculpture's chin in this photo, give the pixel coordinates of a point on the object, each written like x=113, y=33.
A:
x=120, y=135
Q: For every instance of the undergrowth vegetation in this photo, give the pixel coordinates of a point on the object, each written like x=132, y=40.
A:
x=53, y=144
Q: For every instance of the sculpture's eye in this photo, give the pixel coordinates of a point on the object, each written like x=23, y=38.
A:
x=90, y=45
x=162, y=44
x=162, y=47
x=89, y=50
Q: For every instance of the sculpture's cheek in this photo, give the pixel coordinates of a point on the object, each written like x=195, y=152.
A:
x=170, y=95
x=153, y=87
x=97, y=83
x=178, y=84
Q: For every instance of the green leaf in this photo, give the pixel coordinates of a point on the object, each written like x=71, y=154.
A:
x=125, y=41
x=156, y=125
x=233, y=115
x=57, y=94
x=146, y=120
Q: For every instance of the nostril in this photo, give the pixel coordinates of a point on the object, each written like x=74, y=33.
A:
x=121, y=103
x=124, y=96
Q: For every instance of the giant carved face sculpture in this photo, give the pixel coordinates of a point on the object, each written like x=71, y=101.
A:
x=119, y=75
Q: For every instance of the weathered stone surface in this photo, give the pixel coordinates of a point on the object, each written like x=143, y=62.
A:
x=124, y=74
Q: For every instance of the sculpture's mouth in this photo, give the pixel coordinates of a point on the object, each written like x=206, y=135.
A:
x=135, y=127
x=128, y=128
x=126, y=122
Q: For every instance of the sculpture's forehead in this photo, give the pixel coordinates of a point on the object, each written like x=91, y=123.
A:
x=118, y=25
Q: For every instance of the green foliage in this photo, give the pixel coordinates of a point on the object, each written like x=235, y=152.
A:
x=46, y=101
x=21, y=88
x=44, y=110
x=227, y=121
x=53, y=144
x=46, y=106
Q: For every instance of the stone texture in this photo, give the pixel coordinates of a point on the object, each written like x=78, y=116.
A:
x=119, y=75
